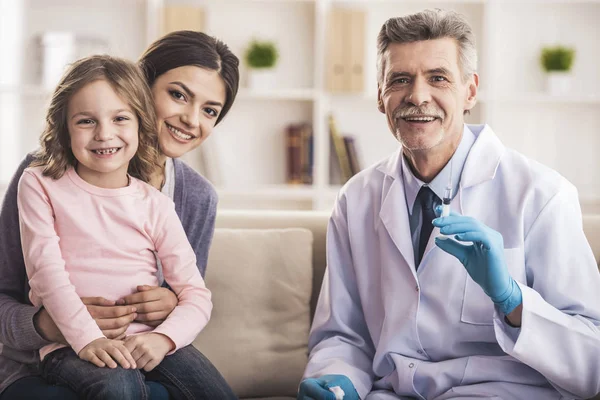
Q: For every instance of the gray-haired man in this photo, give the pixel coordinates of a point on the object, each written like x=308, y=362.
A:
x=496, y=311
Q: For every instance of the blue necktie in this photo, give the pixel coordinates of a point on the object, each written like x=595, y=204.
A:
x=427, y=199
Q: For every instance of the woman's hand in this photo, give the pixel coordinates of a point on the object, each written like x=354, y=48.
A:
x=153, y=304
x=46, y=328
x=113, y=320
x=104, y=352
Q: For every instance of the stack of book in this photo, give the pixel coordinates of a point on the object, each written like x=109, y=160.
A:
x=299, y=147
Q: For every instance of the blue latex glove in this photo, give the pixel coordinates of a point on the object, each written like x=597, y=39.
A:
x=484, y=259
x=318, y=388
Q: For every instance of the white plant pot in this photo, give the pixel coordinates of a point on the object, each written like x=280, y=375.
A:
x=261, y=79
x=558, y=83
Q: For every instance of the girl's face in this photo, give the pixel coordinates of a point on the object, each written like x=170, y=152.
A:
x=103, y=130
x=188, y=101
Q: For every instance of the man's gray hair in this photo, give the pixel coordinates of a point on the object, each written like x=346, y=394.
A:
x=426, y=25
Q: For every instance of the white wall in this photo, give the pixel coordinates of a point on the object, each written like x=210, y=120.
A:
x=249, y=146
x=11, y=37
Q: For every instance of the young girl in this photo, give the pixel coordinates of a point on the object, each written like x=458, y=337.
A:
x=88, y=228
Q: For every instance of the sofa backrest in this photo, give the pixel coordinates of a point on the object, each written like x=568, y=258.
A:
x=317, y=223
x=591, y=227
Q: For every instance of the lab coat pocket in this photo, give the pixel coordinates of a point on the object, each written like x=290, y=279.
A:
x=477, y=307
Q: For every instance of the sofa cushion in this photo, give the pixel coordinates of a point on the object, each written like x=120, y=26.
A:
x=261, y=282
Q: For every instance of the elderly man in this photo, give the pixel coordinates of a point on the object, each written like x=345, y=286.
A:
x=507, y=306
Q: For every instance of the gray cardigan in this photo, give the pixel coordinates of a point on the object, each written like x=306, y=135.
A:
x=196, y=205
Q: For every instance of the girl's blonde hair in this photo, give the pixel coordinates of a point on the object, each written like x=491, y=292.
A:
x=128, y=81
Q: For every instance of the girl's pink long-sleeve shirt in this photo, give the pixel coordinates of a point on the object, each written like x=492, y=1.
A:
x=80, y=240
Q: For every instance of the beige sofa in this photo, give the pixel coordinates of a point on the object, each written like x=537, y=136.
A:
x=265, y=271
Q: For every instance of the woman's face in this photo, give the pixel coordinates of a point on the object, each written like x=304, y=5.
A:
x=188, y=101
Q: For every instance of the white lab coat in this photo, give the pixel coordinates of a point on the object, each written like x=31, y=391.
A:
x=433, y=333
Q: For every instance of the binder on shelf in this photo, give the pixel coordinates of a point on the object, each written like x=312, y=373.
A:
x=336, y=61
x=356, y=38
x=182, y=17
x=345, y=71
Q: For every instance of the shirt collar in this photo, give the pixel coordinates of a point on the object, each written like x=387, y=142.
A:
x=412, y=184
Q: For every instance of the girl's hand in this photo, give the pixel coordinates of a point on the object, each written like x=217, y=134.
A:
x=153, y=304
x=148, y=349
x=104, y=352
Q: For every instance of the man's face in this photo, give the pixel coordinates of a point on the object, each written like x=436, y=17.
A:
x=423, y=94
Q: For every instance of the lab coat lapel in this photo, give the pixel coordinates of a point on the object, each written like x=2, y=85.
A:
x=484, y=157
x=393, y=213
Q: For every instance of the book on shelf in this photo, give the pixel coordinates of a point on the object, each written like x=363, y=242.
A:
x=350, y=143
x=345, y=162
x=299, y=150
x=340, y=151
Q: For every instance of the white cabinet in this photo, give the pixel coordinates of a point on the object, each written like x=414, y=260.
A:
x=250, y=146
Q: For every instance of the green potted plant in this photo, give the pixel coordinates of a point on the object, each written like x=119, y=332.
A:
x=261, y=58
x=557, y=62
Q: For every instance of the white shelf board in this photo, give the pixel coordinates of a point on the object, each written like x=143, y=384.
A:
x=518, y=98
x=276, y=1
x=550, y=2
x=277, y=94
x=280, y=192
x=276, y=192
x=545, y=98
x=284, y=1
x=372, y=97
x=244, y=93
x=424, y=2
x=25, y=90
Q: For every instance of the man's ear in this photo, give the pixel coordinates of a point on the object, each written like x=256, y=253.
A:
x=472, y=89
